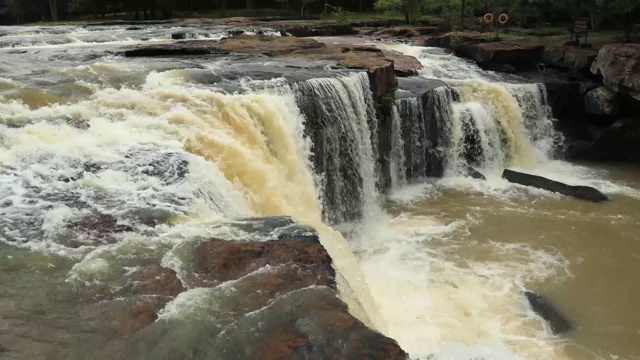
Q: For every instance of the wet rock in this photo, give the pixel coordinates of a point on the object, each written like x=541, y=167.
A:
x=190, y=48
x=602, y=101
x=326, y=29
x=404, y=65
x=169, y=166
x=619, y=65
x=138, y=315
x=579, y=192
x=287, y=330
x=566, y=101
x=267, y=45
x=541, y=306
x=471, y=172
x=620, y=142
x=381, y=73
x=273, y=228
x=95, y=228
x=220, y=260
x=157, y=280
x=178, y=36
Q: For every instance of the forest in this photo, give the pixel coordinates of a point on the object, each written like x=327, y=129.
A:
x=604, y=14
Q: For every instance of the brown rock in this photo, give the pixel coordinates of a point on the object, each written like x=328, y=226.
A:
x=404, y=65
x=311, y=323
x=137, y=316
x=495, y=55
x=380, y=70
x=219, y=260
x=156, y=280
x=267, y=45
x=619, y=65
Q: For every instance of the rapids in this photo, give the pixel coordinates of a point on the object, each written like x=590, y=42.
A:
x=156, y=154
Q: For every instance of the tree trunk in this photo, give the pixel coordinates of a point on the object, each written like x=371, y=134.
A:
x=413, y=11
x=54, y=10
x=223, y=8
x=463, y=3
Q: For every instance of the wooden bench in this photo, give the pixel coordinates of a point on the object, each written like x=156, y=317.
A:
x=579, y=27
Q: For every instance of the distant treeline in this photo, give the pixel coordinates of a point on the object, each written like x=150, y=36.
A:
x=22, y=11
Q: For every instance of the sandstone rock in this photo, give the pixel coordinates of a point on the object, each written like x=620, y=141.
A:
x=287, y=330
x=381, y=73
x=541, y=306
x=404, y=65
x=579, y=192
x=219, y=260
x=619, y=65
x=498, y=56
x=156, y=280
x=138, y=315
x=602, y=101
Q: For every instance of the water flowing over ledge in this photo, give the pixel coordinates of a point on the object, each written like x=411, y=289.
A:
x=159, y=190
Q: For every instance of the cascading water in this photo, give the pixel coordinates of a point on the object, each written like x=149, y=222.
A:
x=168, y=159
x=342, y=124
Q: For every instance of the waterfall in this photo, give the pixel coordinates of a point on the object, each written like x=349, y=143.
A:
x=342, y=124
x=476, y=124
x=397, y=161
x=170, y=153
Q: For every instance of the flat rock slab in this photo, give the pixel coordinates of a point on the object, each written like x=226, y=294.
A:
x=579, y=192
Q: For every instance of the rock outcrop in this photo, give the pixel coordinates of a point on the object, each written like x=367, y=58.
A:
x=491, y=55
x=579, y=192
x=569, y=57
x=269, y=297
x=619, y=65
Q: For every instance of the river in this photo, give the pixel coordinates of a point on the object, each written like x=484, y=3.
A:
x=167, y=150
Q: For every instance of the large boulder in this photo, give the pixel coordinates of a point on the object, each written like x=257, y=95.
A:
x=619, y=65
x=579, y=192
x=602, y=101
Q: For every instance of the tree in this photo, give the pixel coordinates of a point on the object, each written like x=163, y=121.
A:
x=54, y=10
x=463, y=3
x=626, y=8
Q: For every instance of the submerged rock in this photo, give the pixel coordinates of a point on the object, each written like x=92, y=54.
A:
x=475, y=173
x=541, y=306
x=580, y=192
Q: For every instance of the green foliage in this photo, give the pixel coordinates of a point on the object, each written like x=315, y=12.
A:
x=388, y=6
x=455, y=42
x=341, y=16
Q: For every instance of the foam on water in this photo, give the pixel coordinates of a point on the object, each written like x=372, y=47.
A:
x=448, y=305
